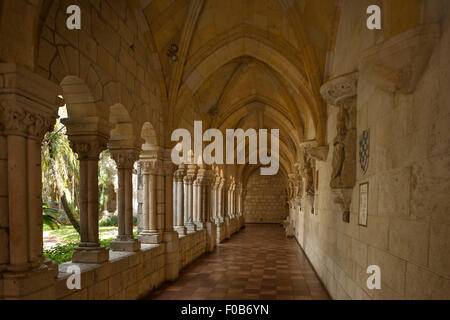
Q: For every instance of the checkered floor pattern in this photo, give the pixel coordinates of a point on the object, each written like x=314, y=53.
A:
x=257, y=263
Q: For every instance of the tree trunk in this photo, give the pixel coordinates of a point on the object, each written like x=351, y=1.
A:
x=73, y=220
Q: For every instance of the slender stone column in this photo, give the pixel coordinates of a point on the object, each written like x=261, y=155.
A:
x=226, y=202
x=88, y=149
x=150, y=232
x=125, y=160
x=210, y=225
x=198, y=204
x=179, y=195
x=28, y=109
x=189, y=197
x=170, y=236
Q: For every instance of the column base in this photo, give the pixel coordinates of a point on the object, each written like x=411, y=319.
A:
x=182, y=231
x=97, y=255
x=150, y=237
x=126, y=245
x=191, y=227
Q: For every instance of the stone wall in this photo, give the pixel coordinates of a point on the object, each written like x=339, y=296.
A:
x=408, y=228
x=265, y=200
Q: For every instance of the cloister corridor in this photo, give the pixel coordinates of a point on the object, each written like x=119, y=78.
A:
x=258, y=263
x=224, y=149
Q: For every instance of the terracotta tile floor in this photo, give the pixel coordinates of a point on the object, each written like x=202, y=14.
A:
x=257, y=263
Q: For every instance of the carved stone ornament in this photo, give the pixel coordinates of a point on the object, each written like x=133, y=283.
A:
x=341, y=92
x=340, y=88
x=398, y=63
x=15, y=120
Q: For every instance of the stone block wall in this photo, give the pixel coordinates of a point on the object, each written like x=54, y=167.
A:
x=265, y=200
x=408, y=226
x=191, y=247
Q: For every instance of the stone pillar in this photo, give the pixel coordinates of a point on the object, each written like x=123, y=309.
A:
x=170, y=236
x=189, y=197
x=205, y=177
x=125, y=160
x=88, y=148
x=28, y=109
x=198, y=203
x=226, y=208
x=179, y=200
x=150, y=233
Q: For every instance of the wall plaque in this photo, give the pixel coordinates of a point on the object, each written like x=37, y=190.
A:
x=363, y=203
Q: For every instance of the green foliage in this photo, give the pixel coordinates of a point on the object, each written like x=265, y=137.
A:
x=51, y=216
x=61, y=253
x=113, y=221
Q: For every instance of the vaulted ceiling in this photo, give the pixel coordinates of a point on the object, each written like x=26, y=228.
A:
x=245, y=64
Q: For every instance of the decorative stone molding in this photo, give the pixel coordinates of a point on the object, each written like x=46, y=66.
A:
x=398, y=63
x=339, y=89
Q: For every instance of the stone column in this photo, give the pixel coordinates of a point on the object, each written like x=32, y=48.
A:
x=88, y=149
x=189, y=197
x=151, y=233
x=198, y=203
x=226, y=208
x=207, y=180
x=170, y=236
x=125, y=160
x=28, y=109
x=179, y=200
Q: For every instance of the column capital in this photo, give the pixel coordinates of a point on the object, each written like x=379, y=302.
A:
x=180, y=173
x=88, y=147
x=125, y=158
x=28, y=103
x=151, y=166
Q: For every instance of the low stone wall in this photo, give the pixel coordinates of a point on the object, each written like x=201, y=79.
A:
x=126, y=276
x=192, y=246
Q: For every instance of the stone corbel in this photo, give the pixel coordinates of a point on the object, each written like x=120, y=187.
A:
x=338, y=90
x=319, y=153
x=343, y=197
x=398, y=63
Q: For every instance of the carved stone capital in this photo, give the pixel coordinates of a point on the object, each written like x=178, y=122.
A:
x=339, y=89
x=151, y=166
x=180, y=173
x=15, y=120
x=88, y=147
x=28, y=102
x=125, y=158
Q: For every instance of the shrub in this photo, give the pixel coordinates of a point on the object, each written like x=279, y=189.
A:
x=113, y=221
x=61, y=253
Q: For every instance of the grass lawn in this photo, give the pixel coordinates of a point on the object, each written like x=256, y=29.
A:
x=67, y=238
x=69, y=234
